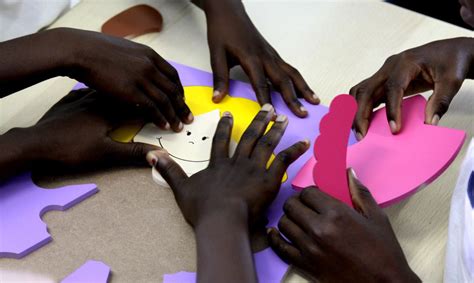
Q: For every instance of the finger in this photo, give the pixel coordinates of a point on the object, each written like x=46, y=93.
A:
x=153, y=113
x=220, y=71
x=394, y=89
x=258, y=80
x=168, y=70
x=294, y=233
x=286, y=157
x=163, y=103
x=300, y=84
x=266, y=145
x=438, y=103
x=127, y=153
x=365, y=106
x=286, y=251
x=221, y=140
x=169, y=170
x=177, y=101
x=254, y=132
x=362, y=199
x=303, y=216
x=318, y=201
x=285, y=85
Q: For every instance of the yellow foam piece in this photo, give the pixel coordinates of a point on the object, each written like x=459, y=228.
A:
x=199, y=101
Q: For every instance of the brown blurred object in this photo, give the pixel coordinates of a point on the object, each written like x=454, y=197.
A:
x=133, y=22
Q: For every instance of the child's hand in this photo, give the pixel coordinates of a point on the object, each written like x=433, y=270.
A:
x=234, y=40
x=242, y=184
x=132, y=72
x=332, y=242
x=441, y=66
x=75, y=132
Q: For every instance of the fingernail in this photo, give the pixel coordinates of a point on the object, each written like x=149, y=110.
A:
x=227, y=114
x=353, y=173
x=267, y=107
x=281, y=118
x=190, y=118
x=269, y=230
x=435, y=120
x=359, y=136
x=393, y=127
x=167, y=126
x=180, y=126
x=216, y=93
x=151, y=158
x=315, y=97
x=303, y=109
x=306, y=142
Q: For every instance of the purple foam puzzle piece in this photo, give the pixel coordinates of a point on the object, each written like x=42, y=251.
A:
x=269, y=267
x=22, y=204
x=90, y=272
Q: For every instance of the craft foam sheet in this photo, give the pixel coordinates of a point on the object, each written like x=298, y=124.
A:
x=90, y=272
x=22, y=204
x=391, y=166
x=269, y=267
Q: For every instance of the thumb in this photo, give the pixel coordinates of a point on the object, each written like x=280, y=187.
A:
x=128, y=153
x=168, y=169
x=438, y=103
x=362, y=199
x=220, y=71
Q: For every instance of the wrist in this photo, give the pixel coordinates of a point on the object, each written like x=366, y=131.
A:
x=62, y=59
x=223, y=8
x=400, y=276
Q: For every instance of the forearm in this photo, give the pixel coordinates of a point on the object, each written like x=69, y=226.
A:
x=28, y=60
x=223, y=247
x=218, y=6
x=17, y=152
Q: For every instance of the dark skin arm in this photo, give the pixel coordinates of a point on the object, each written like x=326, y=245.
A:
x=331, y=242
x=226, y=200
x=234, y=40
x=441, y=66
x=72, y=134
x=131, y=72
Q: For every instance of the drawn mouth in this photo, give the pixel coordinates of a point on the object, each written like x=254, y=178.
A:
x=187, y=160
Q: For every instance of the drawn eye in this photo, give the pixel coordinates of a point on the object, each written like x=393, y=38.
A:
x=204, y=138
x=188, y=133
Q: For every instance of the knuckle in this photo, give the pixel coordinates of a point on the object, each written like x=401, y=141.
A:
x=266, y=142
x=289, y=205
x=284, y=157
x=443, y=104
x=306, y=194
x=251, y=134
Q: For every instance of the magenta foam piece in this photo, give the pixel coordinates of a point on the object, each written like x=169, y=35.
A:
x=269, y=267
x=90, y=272
x=394, y=166
x=22, y=204
x=330, y=148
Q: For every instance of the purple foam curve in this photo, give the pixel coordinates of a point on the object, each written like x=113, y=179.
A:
x=270, y=269
x=90, y=272
x=22, y=204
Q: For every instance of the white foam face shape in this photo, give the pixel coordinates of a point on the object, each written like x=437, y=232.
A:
x=190, y=148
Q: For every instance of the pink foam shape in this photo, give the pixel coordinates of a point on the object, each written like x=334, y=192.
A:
x=22, y=204
x=330, y=148
x=90, y=272
x=394, y=167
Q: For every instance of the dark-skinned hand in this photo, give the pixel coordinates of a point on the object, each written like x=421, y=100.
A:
x=75, y=132
x=441, y=66
x=331, y=242
x=127, y=71
x=239, y=181
x=234, y=40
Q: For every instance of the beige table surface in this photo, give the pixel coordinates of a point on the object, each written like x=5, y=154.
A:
x=135, y=226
